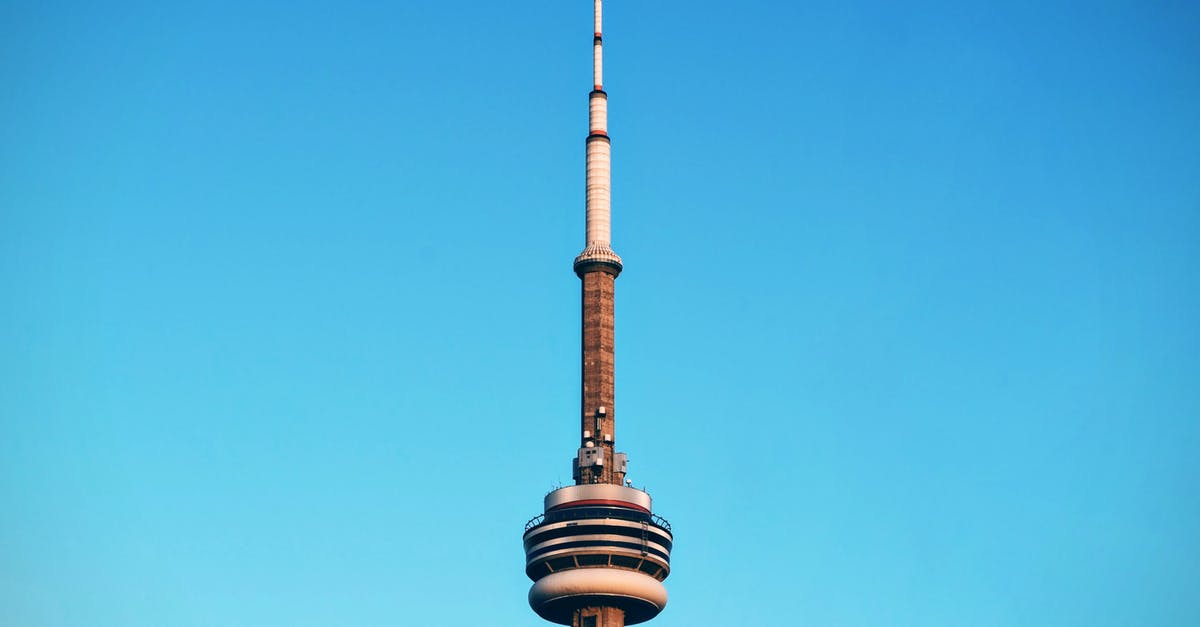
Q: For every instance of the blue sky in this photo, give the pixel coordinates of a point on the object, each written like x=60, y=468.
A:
x=907, y=334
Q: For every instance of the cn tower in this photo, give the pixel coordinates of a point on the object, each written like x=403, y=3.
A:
x=598, y=555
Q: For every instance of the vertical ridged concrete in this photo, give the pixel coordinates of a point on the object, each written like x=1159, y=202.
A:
x=598, y=370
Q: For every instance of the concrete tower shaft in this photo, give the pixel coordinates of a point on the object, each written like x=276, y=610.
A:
x=598, y=554
x=598, y=461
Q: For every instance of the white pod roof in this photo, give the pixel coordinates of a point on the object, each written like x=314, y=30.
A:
x=599, y=494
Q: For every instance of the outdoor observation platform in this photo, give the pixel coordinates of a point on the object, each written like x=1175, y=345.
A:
x=598, y=545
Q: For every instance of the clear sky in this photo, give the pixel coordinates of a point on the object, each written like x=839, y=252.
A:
x=909, y=332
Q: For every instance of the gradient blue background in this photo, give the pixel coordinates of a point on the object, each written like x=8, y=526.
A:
x=909, y=332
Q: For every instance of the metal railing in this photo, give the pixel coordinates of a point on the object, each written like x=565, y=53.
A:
x=593, y=512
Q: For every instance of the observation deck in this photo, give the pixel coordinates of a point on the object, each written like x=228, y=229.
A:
x=598, y=545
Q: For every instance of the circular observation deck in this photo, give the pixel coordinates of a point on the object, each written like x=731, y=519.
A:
x=598, y=545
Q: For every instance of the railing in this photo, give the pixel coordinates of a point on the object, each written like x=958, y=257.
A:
x=598, y=512
x=535, y=521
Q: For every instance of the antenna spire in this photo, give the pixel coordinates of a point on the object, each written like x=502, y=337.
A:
x=597, y=246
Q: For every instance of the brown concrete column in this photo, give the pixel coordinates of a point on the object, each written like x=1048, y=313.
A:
x=598, y=617
x=598, y=371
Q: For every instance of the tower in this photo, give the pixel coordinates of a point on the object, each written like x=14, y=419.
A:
x=597, y=554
